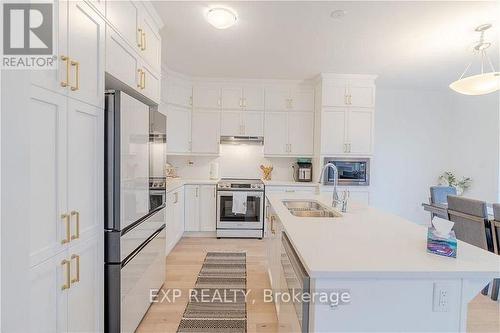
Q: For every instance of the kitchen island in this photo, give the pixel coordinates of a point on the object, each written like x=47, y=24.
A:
x=380, y=261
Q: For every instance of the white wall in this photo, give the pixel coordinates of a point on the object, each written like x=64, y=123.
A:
x=241, y=161
x=411, y=149
x=474, y=136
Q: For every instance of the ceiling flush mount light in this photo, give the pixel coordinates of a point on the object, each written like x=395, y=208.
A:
x=485, y=82
x=338, y=14
x=221, y=17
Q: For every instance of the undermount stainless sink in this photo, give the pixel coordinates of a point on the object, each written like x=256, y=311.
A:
x=308, y=208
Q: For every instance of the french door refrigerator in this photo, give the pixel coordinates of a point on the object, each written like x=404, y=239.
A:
x=134, y=232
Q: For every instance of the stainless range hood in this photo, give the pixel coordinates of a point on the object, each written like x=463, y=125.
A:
x=254, y=140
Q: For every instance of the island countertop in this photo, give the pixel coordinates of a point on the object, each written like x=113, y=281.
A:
x=367, y=242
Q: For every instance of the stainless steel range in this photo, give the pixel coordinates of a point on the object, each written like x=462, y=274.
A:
x=240, y=208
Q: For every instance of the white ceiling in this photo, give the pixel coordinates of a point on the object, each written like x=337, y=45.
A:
x=418, y=44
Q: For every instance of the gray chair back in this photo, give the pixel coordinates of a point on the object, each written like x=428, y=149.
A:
x=471, y=221
x=495, y=228
x=439, y=194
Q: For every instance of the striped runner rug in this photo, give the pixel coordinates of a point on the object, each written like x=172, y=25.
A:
x=217, y=302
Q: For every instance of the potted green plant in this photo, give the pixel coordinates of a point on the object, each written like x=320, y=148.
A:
x=449, y=179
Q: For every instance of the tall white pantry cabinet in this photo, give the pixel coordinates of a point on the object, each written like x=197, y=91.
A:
x=53, y=168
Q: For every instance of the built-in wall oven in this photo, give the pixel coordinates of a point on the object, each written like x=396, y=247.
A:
x=352, y=171
x=247, y=223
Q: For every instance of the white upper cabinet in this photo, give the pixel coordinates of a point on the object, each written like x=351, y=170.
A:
x=178, y=129
x=358, y=92
x=176, y=91
x=253, y=98
x=126, y=70
x=124, y=16
x=290, y=98
x=276, y=133
x=253, y=123
x=231, y=123
x=150, y=42
x=205, y=132
x=242, y=123
x=360, y=131
x=333, y=131
x=149, y=82
x=231, y=98
x=300, y=133
x=206, y=96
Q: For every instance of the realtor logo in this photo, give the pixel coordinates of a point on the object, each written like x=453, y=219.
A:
x=28, y=36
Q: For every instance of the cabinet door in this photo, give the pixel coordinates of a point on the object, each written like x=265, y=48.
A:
x=48, y=302
x=207, y=208
x=178, y=129
x=333, y=124
x=206, y=97
x=52, y=79
x=277, y=98
x=253, y=98
x=179, y=212
x=176, y=92
x=231, y=123
x=151, y=43
x=253, y=123
x=46, y=199
x=85, y=300
x=335, y=93
x=151, y=84
x=192, y=207
x=303, y=100
x=85, y=168
x=205, y=132
x=124, y=16
x=300, y=133
x=361, y=95
x=124, y=70
x=170, y=222
x=86, y=51
x=231, y=98
x=276, y=133
x=359, y=130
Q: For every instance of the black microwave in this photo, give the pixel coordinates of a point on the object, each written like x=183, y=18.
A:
x=352, y=171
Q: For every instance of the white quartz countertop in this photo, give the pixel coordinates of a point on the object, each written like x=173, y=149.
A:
x=288, y=183
x=366, y=242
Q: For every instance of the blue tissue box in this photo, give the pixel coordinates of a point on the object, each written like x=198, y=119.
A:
x=441, y=246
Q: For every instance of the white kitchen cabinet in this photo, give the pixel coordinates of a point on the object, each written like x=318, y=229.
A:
x=208, y=213
x=125, y=70
x=177, y=92
x=333, y=131
x=192, y=208
x=357, y=92
x=206, y=96
x=244, y=123
x=48, y=302
x=288, y=133
x=178, y=129
x=292, y=188
x=275, y=133
x=347, y=131
x=124, y=17
x=205, y=132
x=199, y=208
x=250, y=98
x=149, y=82
x=85, y=295
x=359, y=130
x=289, y=99
x=150, y=45
x=175, y=217
x=300, y=133
x=86, y=34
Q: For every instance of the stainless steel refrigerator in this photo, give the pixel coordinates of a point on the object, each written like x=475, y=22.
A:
x=134, y=231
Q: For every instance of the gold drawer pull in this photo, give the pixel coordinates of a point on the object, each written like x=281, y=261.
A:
x=66, y=60
x=144, y=80
x=139, y=85
x=143, y=41
x=139, y=43
x=77, y=215
x=272, y=224
x=66, y=263
x=66, y=219
x=77, y=75
x=77, y=278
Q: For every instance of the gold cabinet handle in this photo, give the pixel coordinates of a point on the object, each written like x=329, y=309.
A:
x=143, y=41
x=77, y=278
x=139, y=85
x=67, y=264
x=144, y=80
x=77, y=225
x=272, y=225
x=76, y=64
x=66, y=219
x=139, y=40
x=66, y=82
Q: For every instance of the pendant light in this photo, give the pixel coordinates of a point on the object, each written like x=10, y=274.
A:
x=485, y=82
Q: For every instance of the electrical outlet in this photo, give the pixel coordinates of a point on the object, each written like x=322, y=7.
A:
x=441, y=297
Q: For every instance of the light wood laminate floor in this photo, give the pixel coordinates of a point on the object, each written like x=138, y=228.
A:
x=184, y=263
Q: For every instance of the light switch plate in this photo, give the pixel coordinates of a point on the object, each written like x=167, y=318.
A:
x=441, y=297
